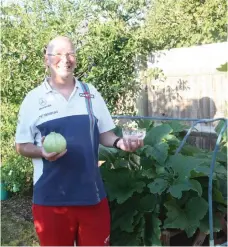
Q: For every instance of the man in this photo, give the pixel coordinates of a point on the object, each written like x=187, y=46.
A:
x=69, y=200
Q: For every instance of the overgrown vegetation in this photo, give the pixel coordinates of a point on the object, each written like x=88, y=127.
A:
x=107, y=52
x=112, y=39
x=158, y=189
x=173, y=24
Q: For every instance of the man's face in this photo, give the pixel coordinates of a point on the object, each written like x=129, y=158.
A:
x=61, y=58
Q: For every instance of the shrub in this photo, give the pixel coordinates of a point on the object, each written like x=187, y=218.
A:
x=155, y=189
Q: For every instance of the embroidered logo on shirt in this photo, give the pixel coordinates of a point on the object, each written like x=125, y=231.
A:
x=86, y=95
x=48, y=114
x=44, y=107
x=42, y=101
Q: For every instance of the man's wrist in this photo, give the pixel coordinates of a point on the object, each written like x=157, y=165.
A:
x=41, y=152
x=115, y=142
x=38, y=152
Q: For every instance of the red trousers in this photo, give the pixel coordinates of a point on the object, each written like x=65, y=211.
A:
x=62, y=226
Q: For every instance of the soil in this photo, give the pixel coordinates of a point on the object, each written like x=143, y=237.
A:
x=20, y=206
x=17, y=228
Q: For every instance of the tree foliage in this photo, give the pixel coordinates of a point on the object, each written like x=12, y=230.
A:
x=107, y=48
x=185, y=23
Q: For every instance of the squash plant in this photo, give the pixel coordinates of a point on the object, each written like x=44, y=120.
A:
x=155, y=189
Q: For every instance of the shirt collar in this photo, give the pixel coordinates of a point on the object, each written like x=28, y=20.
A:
x=47, y=88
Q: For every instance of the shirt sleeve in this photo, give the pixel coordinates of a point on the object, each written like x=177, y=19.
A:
x=105, y=121
x=24, y=130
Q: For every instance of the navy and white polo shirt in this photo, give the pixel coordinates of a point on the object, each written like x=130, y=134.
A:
x=73, y=179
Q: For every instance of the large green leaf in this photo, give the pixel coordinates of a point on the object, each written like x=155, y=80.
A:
x=202, y=170
x=147, y=150
x=157, y=134
x=220, y=171
x=183, y=165
x=176, y=217
x=126, y=221
x=145, y=123
x=219, y=128
x=159, y=185
x=221, y=157
x=121, y=184
x=190, y=150
x=138, y=218
x=124, y=192
x=177, y=126
x=218, y=197
x=159, y=152
x=196, y=208
x=177, y=189
x=134, y=160
x=187, y=219
x=191, y=229
x=148, y=203
x=152, y=232
x=146, y=162
x=125, y=216
x=195, y=185
x=149, y=173
x=172, y=140
x=122, y=238
x=107, y=154
x=204, y=224
x=156, y=232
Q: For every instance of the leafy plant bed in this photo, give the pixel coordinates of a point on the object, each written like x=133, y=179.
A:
x=154, y=189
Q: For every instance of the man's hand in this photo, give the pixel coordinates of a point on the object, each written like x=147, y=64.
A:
x=51, y=156
x=130, y=144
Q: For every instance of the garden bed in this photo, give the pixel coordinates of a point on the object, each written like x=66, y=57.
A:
x=17, y=227
x=18, y=230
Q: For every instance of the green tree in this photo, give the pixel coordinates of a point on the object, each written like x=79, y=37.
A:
x=25, y=29
x=107, y=42
x=185, y=23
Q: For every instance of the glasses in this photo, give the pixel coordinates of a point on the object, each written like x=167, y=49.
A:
x=59, y=55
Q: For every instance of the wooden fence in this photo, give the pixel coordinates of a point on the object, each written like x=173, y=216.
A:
x=191, y=87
